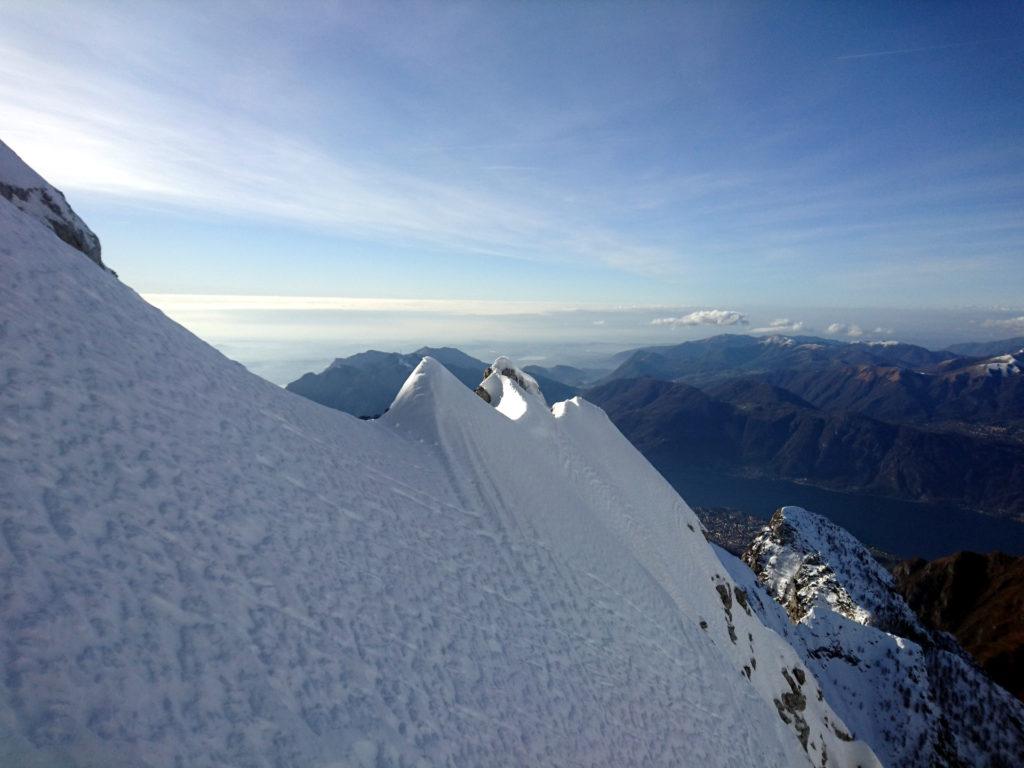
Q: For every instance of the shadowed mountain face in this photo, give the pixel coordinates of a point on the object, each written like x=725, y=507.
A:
x=565, y=374
x=980, y=600
x=365, y=384
x=891, y=381
x=729, y=355
x=958, y=394
x=750, y=427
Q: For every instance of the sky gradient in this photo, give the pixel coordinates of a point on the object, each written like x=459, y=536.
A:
x=691, y=156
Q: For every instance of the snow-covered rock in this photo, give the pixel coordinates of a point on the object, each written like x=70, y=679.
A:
x=911, y=694
x=199, y=568
x=503, y=377
x=1002, y=365
x=33, y=195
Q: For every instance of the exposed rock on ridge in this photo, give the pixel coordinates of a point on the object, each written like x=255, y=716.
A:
x=33, y=195
x=910, y=692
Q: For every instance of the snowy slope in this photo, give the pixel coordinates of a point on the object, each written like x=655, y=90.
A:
x=568, y=480
x=911, y=694
x=199, y=568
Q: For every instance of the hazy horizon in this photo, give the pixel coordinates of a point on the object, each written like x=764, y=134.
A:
x=280, y=338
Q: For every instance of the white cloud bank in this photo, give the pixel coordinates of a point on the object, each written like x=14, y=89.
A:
x=842, y=329
x=704, y=317
x=783, y=325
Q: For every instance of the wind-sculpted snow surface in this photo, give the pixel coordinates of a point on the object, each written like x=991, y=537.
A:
x=198, y=568
x=913, y=695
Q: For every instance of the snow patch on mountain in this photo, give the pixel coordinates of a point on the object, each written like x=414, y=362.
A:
x=779, y=341
x=1003, y=365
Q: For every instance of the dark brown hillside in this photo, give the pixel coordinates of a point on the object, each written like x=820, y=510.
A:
x=980, y=600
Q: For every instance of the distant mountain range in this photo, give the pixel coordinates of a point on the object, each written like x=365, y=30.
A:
x=729, y=355
x=566, y=374
x=966, y=391
x=988, y=348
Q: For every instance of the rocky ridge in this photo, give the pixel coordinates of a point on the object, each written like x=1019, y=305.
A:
x=912, y=693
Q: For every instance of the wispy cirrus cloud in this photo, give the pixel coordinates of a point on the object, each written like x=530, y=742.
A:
x=704, y=317
x=402, y=131
x=920, y=49
x=179, y=303
x=107, y=130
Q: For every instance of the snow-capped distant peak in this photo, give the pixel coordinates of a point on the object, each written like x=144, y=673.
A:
x=1007, y=365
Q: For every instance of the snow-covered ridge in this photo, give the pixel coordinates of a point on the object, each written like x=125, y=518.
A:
x=200, y=568
x=911, y=694
x=807, y=561
x=31, y=193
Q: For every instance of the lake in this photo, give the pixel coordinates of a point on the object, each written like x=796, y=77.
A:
x=904, y=528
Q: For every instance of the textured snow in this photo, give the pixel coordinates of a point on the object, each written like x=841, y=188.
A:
x=198, y=568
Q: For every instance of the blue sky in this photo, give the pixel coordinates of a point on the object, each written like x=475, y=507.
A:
x=575, y=155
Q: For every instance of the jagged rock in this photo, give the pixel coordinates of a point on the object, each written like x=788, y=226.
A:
x=31, y=194
x=912, y=693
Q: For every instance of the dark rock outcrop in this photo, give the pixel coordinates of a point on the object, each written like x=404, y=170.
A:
x=31, y=194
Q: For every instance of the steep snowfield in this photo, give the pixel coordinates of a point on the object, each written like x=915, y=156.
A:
x=911, y=694
x=199, y=568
